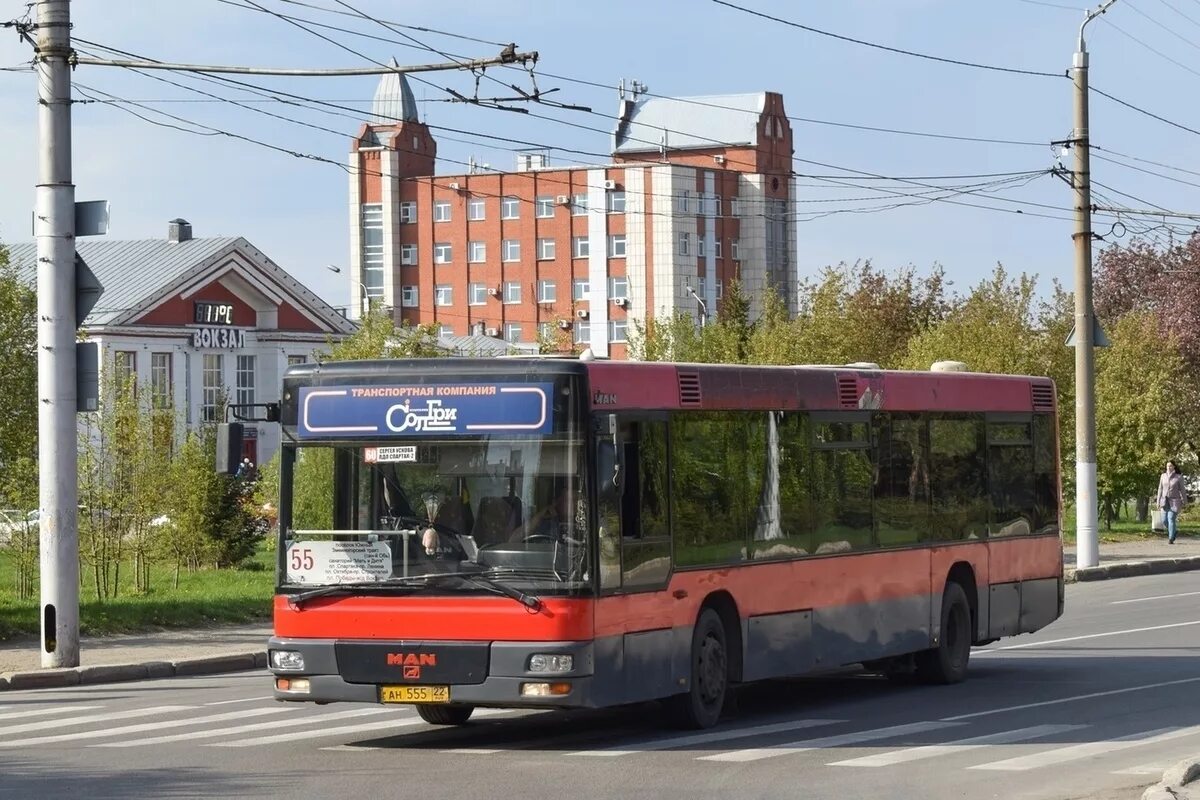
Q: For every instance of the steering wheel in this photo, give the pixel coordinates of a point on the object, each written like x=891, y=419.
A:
x=424, y=523
x=540, y=537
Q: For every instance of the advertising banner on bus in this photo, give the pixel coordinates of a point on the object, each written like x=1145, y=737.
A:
x=454, y=409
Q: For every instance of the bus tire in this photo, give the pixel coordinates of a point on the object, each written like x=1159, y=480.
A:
x=708, y=684
x=947, y=663
x=445, y=715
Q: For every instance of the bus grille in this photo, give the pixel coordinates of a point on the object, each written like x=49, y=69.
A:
x=689, y=389
x=848, y=392
x=1043, y=397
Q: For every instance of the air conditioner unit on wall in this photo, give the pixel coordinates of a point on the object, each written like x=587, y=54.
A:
x=492, y=291
x=564, y=324
x=454, y=186
x=582, y=313
x=621, y=302
x=563, y=200
x=492, y=331
x=610, y=184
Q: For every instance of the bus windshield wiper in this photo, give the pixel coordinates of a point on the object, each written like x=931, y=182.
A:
x=532, y=602
x=300, y=598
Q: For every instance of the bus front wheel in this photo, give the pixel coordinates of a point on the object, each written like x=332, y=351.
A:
x=947, y=663
x=445, y=715
x=701, y=706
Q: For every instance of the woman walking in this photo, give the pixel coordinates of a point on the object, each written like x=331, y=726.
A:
x=1172, y=496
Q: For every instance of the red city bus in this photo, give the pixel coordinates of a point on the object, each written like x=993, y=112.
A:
x=552, y=533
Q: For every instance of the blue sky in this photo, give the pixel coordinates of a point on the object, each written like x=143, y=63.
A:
x=295, y=209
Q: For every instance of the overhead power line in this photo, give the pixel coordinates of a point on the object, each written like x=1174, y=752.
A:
x=1151, y=114
x=897, y=50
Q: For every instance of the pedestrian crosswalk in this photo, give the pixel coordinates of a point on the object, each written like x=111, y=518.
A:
x=840, y=743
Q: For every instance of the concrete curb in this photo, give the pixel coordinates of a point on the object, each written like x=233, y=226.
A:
x=114, y=673
x=1128, y=569
x=1171, y=787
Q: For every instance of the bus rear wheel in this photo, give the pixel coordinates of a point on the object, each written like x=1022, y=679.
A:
x=708, y=686
x=947, y=663
x=445, y=715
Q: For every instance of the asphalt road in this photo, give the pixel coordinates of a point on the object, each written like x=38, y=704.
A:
x=1095, y=706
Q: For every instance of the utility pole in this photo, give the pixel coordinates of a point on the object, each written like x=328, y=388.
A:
x=1087, y=546
x=54, y=226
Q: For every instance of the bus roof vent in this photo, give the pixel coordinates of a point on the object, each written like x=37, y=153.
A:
x=847, y=391
x=1043, y=397
x=689, y=389
x=948, y=366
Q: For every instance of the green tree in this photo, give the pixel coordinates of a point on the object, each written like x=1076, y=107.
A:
x=18, y=389
x=1142, y=418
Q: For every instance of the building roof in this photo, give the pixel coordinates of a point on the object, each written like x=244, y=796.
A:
x=129, y=270
x=394, y=99
x=138, y=273
x=689, y=122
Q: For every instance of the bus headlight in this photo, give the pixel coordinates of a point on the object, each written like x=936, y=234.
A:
x=549, y=662
x=291, y=660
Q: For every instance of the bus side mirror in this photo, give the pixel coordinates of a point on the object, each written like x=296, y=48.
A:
x=229, y=447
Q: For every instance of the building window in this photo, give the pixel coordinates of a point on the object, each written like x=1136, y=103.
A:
x=720, y=289
x=579, y=289
x=445, y=331
x=683, y=201
x=616, y=245
x=512, y=332
x=441, y=211
x=294, y=360
x=685, y=243
x=545, y=207
x=441, y=253
x=125, y=370
x=510, y=208
x=476, y=210
x=583, y=332
x=700, y=247
x=408, y=212
x=408, y=255
x=618, y=288
x=443, y=295
x=735, y=207
x=476, y=252
x=245, y=380
x=372, y=249
x=616, y=202
x=716, y=248
x=702, y=285
x=512, y=292
x=546, y=332
x=616, y=330
x=212, y=383
x=733, y=249
x=160, y=379
x=579, y=246
x=408, y=296
x=512, y=249
x=478, y=294
x=547, y=291
x=545, y=249
x=579, y=205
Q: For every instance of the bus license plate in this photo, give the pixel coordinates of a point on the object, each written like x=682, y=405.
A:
x=414, y=694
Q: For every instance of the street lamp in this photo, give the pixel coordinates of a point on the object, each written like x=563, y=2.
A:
x=366, y=296
x=703, y=307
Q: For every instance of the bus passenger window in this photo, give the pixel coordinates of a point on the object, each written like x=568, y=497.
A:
x=1010, y=478
x=902, y=479
x=1045, y=475
x=843, y=479
x=957, y=481
x=784, y=528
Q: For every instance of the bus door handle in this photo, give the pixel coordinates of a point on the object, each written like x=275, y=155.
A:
x=679, y=594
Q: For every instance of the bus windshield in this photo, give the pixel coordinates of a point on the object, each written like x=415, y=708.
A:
x=501, y=507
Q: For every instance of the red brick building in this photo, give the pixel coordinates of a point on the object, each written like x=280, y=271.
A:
x=699, y=192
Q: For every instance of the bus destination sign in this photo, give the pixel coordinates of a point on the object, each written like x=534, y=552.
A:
x=455, y=409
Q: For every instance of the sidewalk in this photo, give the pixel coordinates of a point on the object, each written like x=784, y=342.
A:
x=232, y=648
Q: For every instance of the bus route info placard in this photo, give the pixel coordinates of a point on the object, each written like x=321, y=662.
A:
x=455, y=409
x=320, y=563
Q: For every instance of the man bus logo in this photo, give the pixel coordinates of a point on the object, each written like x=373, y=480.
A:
x=412, y=659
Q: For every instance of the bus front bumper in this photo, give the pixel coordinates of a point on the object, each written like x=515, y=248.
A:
x=507, y=682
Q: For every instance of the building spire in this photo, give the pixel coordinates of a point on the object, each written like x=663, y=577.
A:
x=394, y=101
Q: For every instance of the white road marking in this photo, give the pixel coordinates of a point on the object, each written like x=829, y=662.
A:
x=961, y=746
x=46, y=712
x=401, y=722
x=1156, y=597
x=858, y=737
x=1088, y=636
x=243, y=700
x=237, y=730
x=142, y=727
x=1145, y=769
x=1071, y=699
x=706, y=738
x=8, y=730
x=1060, y=755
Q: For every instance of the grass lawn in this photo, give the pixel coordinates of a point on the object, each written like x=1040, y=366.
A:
x=1130, y=531
x=205, y=597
